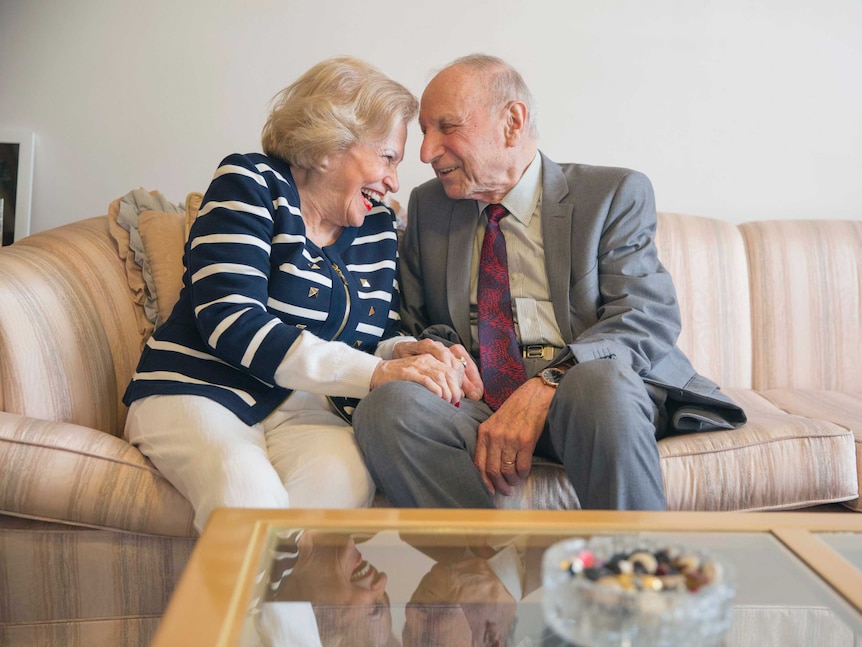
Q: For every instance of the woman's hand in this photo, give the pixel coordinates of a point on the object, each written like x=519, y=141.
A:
x=445, y=371
x=438, y=377
x=471, y=383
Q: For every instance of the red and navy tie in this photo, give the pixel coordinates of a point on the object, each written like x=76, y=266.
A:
x=499, y=353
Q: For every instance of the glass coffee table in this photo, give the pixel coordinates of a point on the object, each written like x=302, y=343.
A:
x=393, y=577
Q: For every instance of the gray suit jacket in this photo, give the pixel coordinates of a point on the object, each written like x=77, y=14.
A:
x=612, y=297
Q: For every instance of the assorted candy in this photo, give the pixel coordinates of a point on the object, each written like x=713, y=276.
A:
x=667, y=569
x=614, y=589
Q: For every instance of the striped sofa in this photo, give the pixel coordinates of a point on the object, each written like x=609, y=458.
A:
x=93, y=538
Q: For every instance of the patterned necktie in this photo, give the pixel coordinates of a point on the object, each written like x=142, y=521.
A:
x=499, y=354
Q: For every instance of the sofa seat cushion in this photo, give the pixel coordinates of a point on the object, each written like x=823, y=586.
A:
x=67, y=473
x=546, y=488
x=776, y=461
x=844, y=409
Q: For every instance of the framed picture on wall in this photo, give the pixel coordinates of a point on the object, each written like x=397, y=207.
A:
x=16, y=183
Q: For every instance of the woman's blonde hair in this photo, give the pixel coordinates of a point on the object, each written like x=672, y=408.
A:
x=337, y=103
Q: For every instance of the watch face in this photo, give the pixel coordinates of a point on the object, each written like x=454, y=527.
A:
x=552, y=376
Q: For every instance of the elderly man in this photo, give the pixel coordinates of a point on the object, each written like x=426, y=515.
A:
x=547, y=275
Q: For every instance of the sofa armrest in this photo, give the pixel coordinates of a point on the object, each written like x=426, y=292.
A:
x=67, y=473
x=69, y=328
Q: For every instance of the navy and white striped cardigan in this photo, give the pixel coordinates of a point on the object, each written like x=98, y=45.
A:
x=253, y=283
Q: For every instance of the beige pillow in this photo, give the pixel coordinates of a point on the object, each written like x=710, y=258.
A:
x=150, y=233
x=193, y=205
x=164, y=237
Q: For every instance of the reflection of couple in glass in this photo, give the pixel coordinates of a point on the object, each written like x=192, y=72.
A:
x=468, y=598
x=321, y=592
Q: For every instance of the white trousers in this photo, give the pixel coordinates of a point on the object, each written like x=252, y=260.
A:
x=302, y=456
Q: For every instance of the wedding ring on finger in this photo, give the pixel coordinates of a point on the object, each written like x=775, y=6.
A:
x=508, y=462
x=463, y=362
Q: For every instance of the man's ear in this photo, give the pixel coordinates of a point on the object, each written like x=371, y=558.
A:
x=516, y=121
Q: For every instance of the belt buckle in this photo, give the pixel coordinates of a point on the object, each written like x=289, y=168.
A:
x=533, y=351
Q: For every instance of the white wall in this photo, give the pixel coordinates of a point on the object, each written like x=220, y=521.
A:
x=737, y=109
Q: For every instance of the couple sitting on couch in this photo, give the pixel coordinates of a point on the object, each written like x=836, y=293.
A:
x=291, y=326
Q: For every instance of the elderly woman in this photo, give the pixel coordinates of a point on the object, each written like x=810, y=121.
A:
x=337, y=596
x=289, y=308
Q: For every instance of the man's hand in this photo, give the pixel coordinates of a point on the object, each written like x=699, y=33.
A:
x=456, y=354
x=506, y=441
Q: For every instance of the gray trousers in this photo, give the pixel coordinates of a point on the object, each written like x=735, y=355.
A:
x=601, y=426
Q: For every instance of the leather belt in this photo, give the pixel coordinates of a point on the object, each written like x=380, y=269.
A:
x=538, y=351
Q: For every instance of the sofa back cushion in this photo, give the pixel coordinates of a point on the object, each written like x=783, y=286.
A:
x=70, y=333
x=806, y=289
x=706, y=258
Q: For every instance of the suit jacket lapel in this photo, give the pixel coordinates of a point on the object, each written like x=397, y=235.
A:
x=462, y=232
x=557, y=234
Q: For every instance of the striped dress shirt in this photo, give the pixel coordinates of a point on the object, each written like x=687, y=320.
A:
x=532, y=308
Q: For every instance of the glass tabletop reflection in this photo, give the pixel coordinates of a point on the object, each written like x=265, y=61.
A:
x=846, y=544
x=324, y=587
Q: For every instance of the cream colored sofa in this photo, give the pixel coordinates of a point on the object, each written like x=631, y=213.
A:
x=93, y=538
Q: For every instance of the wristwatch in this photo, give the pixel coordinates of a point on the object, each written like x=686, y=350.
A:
x=552, y=376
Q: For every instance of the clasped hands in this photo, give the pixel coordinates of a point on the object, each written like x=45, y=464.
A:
x=446, y=371
x=507, y=439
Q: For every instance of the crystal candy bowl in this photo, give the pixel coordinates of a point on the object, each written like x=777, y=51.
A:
x=593, y=614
